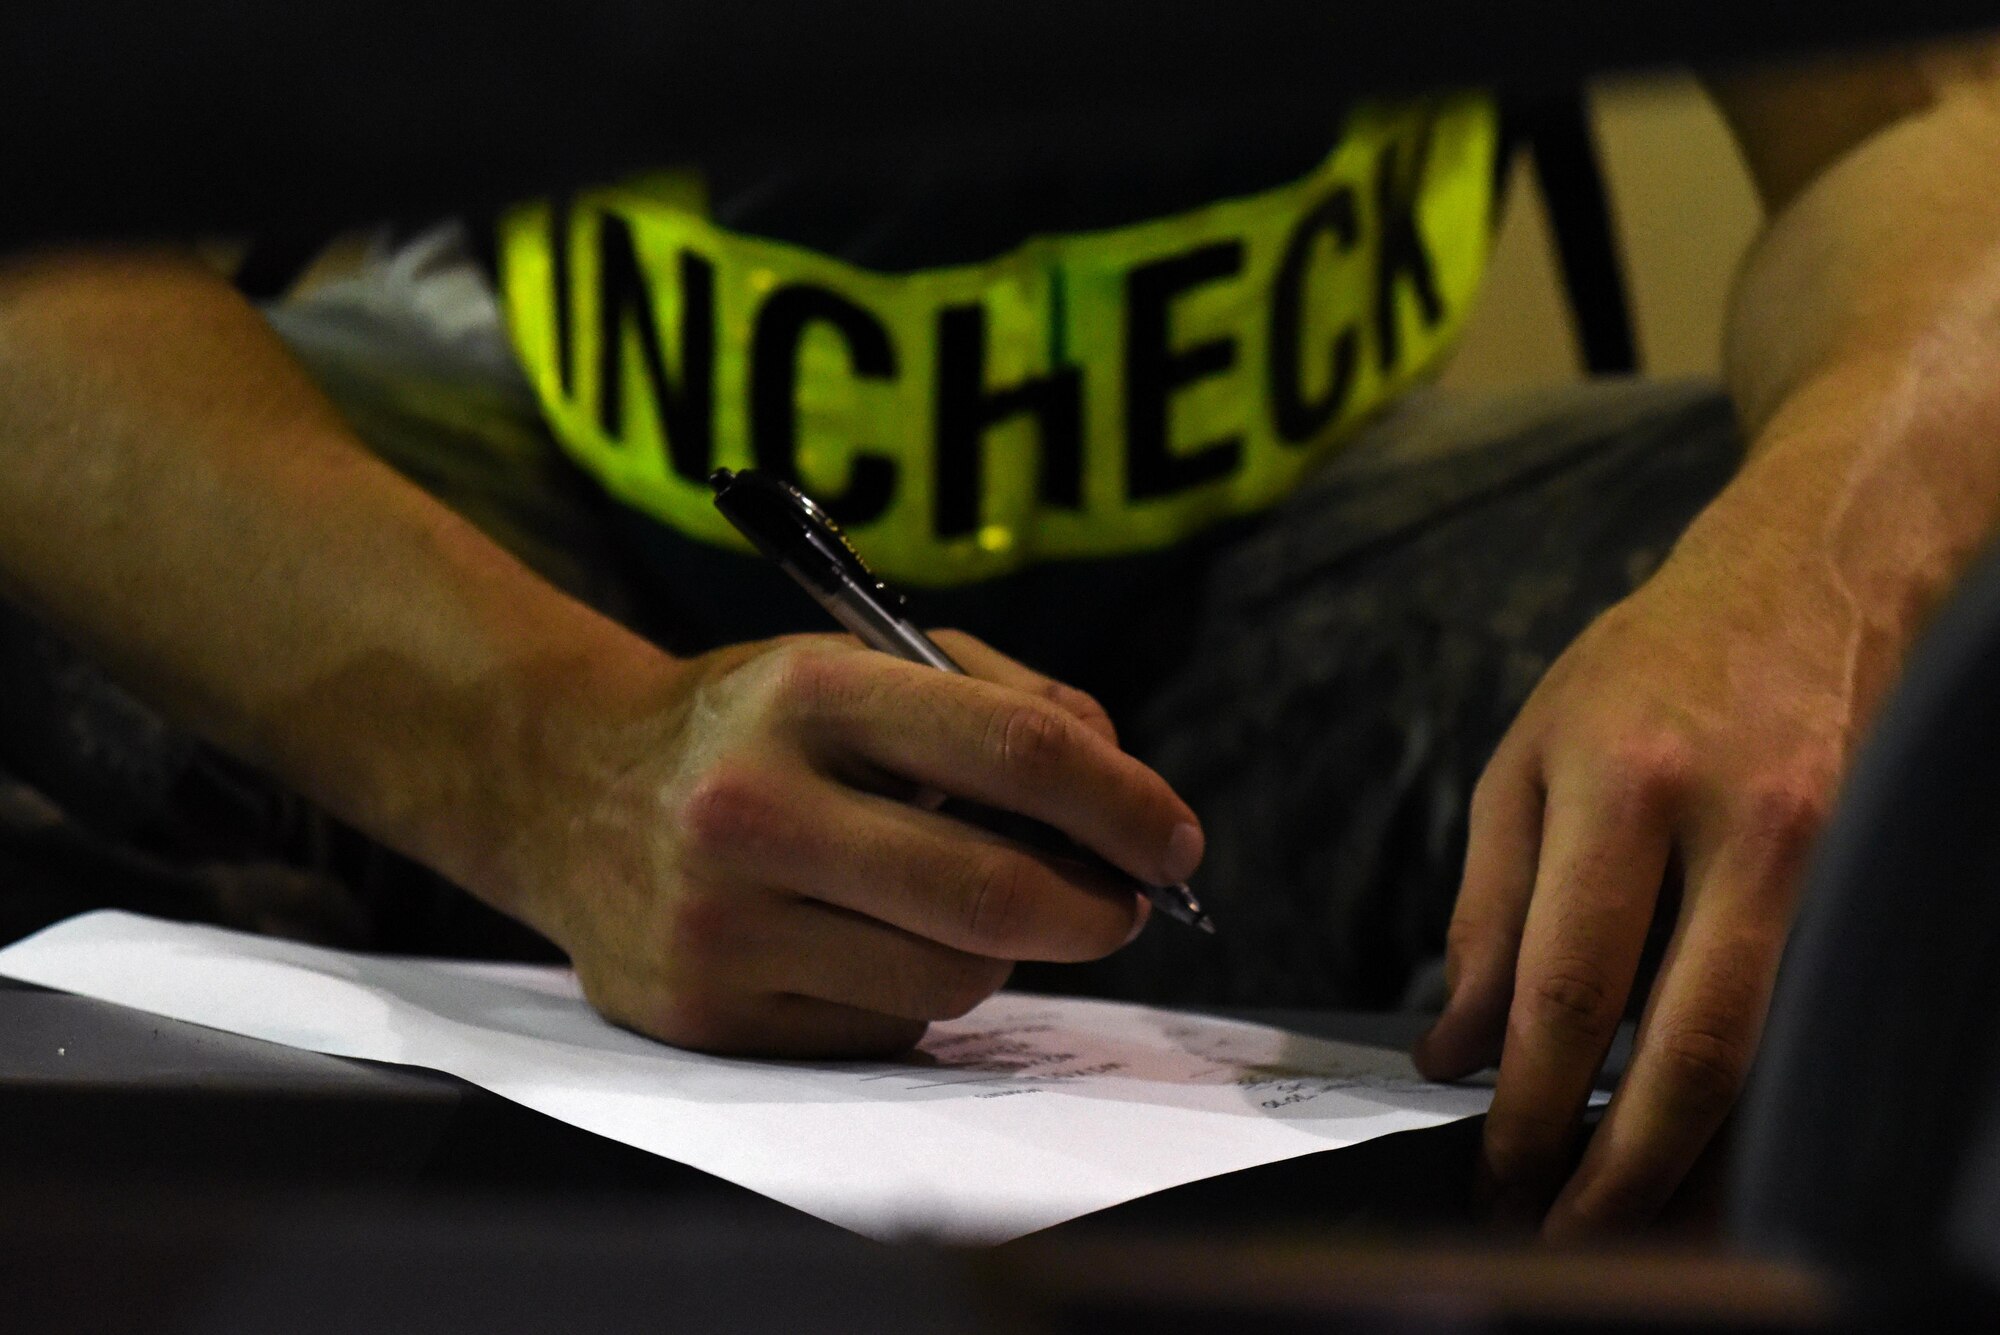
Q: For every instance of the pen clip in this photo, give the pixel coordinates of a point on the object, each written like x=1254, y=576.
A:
x=787, y=525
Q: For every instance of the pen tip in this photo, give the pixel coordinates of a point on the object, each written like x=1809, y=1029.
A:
x=1206, y=923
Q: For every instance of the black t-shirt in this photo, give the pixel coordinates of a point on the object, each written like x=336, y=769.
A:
x=1108, y=624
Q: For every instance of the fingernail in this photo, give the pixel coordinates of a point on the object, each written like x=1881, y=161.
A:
x=1139, y=923
x=1421, y=1052
x=1184, y=847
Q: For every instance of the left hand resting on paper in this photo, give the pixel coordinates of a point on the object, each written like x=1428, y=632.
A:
x=1693, y=737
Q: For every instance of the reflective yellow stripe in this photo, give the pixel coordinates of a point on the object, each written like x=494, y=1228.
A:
x=1083, y=395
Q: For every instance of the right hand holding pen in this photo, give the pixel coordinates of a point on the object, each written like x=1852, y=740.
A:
x=755, y=870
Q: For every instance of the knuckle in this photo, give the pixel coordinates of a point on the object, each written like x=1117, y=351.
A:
x=810, y=677
x=999, y=900
x=1785, y=811
x=726, y=810
x=1706, y=1070
x=1083, y=706
x=1653, y=769
x=701, y=924
x=1030, y=740
x=1574, y=1002
x=1737, y=974
x=1471, y=939
x=964, y=987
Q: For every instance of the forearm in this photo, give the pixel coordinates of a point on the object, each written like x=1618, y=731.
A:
x=1863, y=333
x=182, y=501
x=1699, y=728
x=709, y=839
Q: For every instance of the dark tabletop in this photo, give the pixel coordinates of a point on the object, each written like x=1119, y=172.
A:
x=91, y=1090
x=158, y=1176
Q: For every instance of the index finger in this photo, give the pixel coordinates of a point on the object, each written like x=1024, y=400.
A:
x=1691, y=1059
x=1483, y=943
x=1599, y=878
x=1023, y=753
x=983, y=660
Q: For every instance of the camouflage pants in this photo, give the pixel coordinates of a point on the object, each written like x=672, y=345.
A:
x=1359, y=656
x=1355, y=657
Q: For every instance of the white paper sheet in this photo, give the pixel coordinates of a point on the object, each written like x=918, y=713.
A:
x=1027, y=1112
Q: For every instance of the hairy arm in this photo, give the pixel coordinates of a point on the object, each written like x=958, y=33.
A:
x=182, y=501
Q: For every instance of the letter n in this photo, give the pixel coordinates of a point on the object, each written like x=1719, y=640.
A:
x=625, y=298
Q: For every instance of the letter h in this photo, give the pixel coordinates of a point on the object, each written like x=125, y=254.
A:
x=967, y=409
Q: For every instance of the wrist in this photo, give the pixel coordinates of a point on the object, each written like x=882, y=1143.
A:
x=562, y=740
x=1880, y=473
x=487, y=777
x=1861, y=501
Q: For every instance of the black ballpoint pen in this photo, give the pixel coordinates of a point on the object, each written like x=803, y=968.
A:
x=783, y=523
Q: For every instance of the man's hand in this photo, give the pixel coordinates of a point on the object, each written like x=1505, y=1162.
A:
x=1700, y=726
x=1695, y=733
x=735, y=849
x=755, y=869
